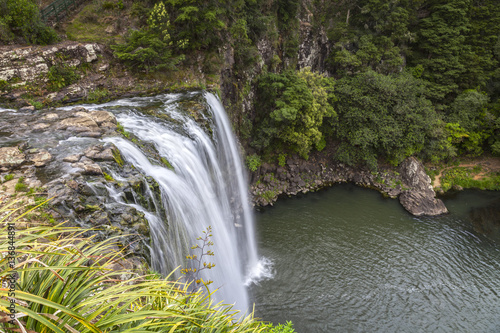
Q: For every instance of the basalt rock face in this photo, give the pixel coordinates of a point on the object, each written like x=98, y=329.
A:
x=420, y=198
x=410, y=184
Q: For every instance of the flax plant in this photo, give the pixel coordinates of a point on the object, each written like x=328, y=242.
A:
x=66, y=284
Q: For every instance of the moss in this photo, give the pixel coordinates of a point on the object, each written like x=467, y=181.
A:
x=92, y=207
x=108, y=177
x=118, y=157
x=20, y=186
x=8, y=177
x=166, y=163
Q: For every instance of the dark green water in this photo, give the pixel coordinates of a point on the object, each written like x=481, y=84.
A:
x=348, y=260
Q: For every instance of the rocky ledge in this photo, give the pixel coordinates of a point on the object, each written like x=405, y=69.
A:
x=409, y=182
x=59, y=154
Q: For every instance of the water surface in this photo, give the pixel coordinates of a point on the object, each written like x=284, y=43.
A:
x=348, y=260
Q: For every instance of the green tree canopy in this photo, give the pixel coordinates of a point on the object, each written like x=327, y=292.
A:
x=382, y=115
x=292, y=107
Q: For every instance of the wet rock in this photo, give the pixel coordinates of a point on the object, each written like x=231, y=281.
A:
x=50, y=116
x=27, y=109
x=11, y=157
x=90, y=134
x=72, y=158
x=40, y=127
x=419, y=199
x=88, y=167
x=98, y=152
x=41, y=158
x=101, y=117
x=78, y=124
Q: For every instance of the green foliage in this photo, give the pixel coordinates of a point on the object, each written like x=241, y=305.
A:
x=3, y=85
x=98, y=95
x=253, y=162
x=8, y=177
x=282, y=159
x=464, y=177
x=382, y=116
x=470, y=122
x=292, y=108
x=21, y=186
x=59, y=289
x=440, y=47
x=376, y=53
x=20, y=22
x=287, y=328
x=147, y=51
x=197, y=24
x=60, y=76
x=151, y=48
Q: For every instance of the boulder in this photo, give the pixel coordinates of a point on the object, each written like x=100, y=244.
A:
x=419, y=197
x=41, y=158
x=78, y=124
x=99, y=152
x=11, y=157
x=101, y=117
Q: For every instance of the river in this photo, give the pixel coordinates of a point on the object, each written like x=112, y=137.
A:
x=348, y=260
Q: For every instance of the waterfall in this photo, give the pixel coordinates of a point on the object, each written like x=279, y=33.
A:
x=206, y=186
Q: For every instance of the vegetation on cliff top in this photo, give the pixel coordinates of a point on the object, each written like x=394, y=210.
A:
x=400, y=78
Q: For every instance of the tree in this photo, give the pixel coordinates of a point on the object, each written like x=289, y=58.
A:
x=197, y=23
x=292, y=108
x=382, y=115
x=440, y=47
x=151, y=47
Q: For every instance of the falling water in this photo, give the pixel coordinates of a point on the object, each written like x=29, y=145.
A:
x=205, y=187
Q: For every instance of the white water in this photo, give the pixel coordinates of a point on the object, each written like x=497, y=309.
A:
x=207, y=187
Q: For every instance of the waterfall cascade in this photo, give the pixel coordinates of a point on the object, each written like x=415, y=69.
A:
x=206, y=186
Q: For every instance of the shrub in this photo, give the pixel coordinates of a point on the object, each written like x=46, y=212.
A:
x=253, y=162
x=21, y=19
x=150, y=49
x=61, y=76
x=382, y=115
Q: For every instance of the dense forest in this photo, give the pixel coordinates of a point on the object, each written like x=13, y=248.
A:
x=395, y=78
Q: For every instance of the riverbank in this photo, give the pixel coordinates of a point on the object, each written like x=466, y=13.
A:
x=294, y=175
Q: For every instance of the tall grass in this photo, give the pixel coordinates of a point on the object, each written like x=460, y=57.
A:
x=67, y=284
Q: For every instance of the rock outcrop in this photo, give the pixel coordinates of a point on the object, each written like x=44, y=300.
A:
x=300, y=176
x=28, y=64
x=60, y=152
x=420, y=198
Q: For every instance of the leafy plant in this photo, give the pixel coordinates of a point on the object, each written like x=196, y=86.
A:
x=20, y=21
x=8, y=177
x=21, y=186
x=98, y=95
x=60, y=76
x=282, y=159
x=253, y=162
x=293, y=106
x=66, y=282
x=150, y=49
x=193, y=273
x=286, y=328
